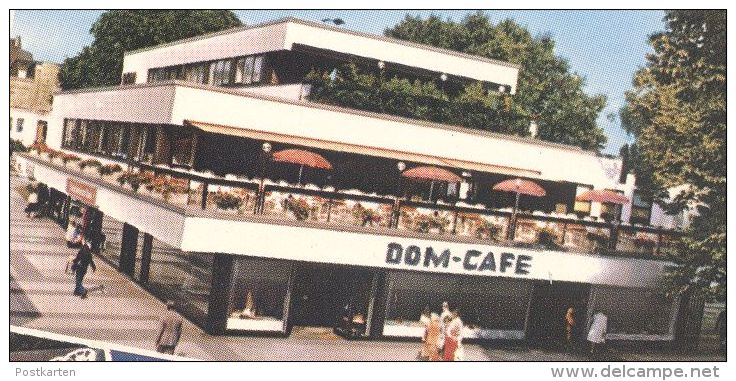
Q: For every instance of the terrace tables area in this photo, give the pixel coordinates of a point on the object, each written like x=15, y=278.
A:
x=309, y=203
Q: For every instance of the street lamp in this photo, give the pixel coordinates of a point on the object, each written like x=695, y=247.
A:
x=401, y=166
x=381, y=66
x=266, y=147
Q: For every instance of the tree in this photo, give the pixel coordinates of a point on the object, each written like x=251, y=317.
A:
x=677, y=112
x=547, y=91
x=118, y=31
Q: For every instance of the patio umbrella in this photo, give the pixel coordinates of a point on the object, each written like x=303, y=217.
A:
x=609, y=197
x=302, y=158
x=432, y=174
x=518, y=186
x=603, y=196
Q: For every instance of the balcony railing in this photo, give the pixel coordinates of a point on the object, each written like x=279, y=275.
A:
x=232, y=195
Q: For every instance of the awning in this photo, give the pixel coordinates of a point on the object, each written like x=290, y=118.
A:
x=360, y=149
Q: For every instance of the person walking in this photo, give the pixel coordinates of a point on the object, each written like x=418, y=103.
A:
x=32, y=205
x=79, y=266
x=430, y=349
x=569, y=327
x=454, y=338
x=597, y=332
x=169, y=331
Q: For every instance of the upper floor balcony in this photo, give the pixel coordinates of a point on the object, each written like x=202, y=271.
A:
x=231, y=197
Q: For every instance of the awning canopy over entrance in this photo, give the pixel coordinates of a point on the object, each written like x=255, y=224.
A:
x=360, y=149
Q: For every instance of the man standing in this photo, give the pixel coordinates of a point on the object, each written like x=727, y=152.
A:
x=80, y=264
x=169, y=331
x=569, y=327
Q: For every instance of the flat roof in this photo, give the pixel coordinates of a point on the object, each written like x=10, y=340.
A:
x=447, y=127
x=327, y=27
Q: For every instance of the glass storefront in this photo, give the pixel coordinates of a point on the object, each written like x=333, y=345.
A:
x=489, y=307
x=635, y=311
x=258, y=294
x=113, y=231
x=183, y=277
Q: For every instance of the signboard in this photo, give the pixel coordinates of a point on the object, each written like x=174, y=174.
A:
x=80, y=191
x=311, y=244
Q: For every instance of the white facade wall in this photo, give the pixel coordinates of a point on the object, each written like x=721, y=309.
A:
x=30, y=120
x=173, y=104
x=283, y=35
x=219, y=46
x=554, y=162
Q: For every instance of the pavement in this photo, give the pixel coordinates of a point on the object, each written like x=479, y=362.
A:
x=123, y=313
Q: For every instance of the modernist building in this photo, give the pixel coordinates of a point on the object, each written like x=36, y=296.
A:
x=32, y=85
x=246, y=243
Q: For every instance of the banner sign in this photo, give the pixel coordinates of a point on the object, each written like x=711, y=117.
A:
x=81, y=191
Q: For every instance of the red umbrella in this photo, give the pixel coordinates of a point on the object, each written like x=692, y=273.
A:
x=431, y=174
x=518, y=186
x=603, y=196
x=302, y=158
x=526, y=187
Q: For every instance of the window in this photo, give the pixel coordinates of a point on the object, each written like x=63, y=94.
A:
x=635, y=310
x=484, y=303
x=258, y=69
x=611, y=211
x=19, y=125
x=641, y=210
x=250, y=70
x=197, y=73
x=129, y=78
x=221, y=72
x=11, y=123
x=181, y=276
x=258, y=294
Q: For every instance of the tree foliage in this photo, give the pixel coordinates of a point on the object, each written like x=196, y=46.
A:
x=118, y=31
x=677, y=112
x=547, y=91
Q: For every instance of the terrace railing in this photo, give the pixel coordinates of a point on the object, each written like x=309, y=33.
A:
x=311, y=204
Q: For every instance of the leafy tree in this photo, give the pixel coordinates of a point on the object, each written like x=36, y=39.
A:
x=118, y=31
x=677, y=112
x=547, y=91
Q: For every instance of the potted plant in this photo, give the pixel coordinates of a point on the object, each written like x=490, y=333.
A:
x=38, y=147
x=365, y=216
x=227, y=201
x=298, y=207
x=548, y=238
x=53, y=154
x=67, y=157
x=92, y=163
x=644, y=244
x=487, y=230
x=108, y=169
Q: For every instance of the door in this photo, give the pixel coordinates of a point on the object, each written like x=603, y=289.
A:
x=321, y=293
x=550, y=302
x=41, y=128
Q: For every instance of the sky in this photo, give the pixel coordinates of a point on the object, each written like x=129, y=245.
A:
x=604, y=47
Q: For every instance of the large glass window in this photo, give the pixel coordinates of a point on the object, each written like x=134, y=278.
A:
x=258, y=294
x=641, y=210
x=484, y=303
x=635, y=311
x=182, y=277
x=113, y=231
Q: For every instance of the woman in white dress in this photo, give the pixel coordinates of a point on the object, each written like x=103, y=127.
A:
x=598, y=328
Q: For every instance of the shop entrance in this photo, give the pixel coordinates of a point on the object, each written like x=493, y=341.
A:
x=323, y=295
x=549, y=306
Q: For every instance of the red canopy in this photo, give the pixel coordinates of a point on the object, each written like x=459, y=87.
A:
x=602, y=195
x=432, y=174
x=302, y=157
x=520, y=186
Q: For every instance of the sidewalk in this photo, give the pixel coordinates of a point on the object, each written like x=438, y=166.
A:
x=41, y=297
